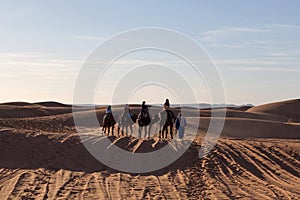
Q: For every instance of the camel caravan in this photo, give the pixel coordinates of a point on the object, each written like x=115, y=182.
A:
x=165, y=120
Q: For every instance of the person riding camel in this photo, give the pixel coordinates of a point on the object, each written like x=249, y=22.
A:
x=126, y=114
x=167, y=105
x=126, y=120
x=108, y=110
x=144, y=107
x=167, y=108
x=167, y=118
x=108, y=121
x=127, y=110
x=143, y=119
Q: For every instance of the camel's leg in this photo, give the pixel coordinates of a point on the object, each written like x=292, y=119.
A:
x=140, y=131
x=119, y=130
x=126, y=130
x=171, y=131
x=167, y=132
x=131, y=130
x=145, y=134
x=145, y=129
x=122, y=128
x=149, y=129
x=122, y=132
x=108, y=130
x=160, y=132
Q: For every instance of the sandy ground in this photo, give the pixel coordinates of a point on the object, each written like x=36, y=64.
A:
x=258, y=157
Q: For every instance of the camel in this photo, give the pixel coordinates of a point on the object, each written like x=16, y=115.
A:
x=167, y=119
x=108, y=122
x=125, y=121
x=143, y=120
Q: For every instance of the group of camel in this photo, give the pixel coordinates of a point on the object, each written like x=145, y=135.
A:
x=164, y=119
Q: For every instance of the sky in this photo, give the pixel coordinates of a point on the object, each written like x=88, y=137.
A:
x=254, y=44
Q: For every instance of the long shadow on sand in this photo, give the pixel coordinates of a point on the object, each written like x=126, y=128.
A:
x=28, y=151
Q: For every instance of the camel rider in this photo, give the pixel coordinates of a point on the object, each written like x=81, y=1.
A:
x=167, y=105
x=126, y=110
x=144, y=107
x=167, y=108
x=109, y=113
x=108, y=110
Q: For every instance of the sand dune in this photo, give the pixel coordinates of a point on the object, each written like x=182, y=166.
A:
x=289, y=109
x=28, y=110
x=253, y=128
x=42, y=156
x=52, y=104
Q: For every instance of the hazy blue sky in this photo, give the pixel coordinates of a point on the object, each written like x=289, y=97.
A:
x=255, y=44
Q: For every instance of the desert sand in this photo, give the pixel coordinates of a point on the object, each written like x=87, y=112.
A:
x=257, y=157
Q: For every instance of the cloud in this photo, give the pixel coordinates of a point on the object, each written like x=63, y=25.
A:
x=262, y=63
x=227, y=45
x=286, y=26
x=17, y=55
x=30, y=66
x=38, y=63
x=216, y=34
x=279, y=64
x=227, y=31
x=246, y=62
x=89, y=37
x=282, y=56
x=264, y=69
x=236, y=37
x=33, y=59
x=286, y=53
x=261, y=44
